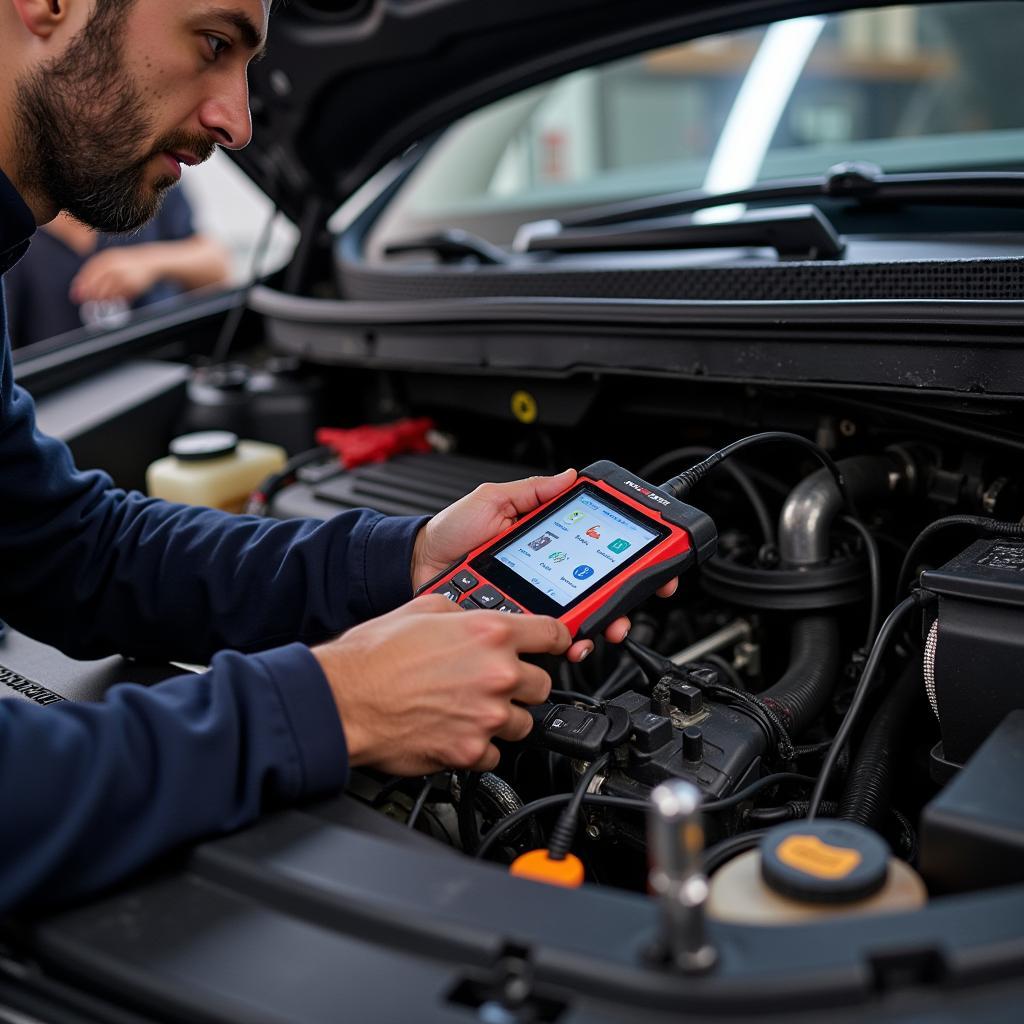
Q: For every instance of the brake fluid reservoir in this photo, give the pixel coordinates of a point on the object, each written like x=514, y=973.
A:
x=812, y=870
x=213, y=468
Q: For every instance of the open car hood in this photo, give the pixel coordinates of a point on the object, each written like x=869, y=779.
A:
x=349, y=84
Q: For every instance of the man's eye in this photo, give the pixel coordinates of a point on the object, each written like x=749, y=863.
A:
x=217, y=44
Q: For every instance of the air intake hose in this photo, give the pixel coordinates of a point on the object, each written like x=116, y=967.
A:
x=802, y=692
x=866, y=796
x=805, y=523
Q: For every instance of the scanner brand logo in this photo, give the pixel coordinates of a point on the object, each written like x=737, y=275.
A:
x=27, y=688
x=648, y=493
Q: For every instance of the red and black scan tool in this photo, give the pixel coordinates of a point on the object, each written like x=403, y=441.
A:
x=587, y=556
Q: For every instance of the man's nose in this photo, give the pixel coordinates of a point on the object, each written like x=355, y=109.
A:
x=226, y=115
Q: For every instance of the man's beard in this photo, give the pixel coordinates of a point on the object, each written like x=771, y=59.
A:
x=81, y=119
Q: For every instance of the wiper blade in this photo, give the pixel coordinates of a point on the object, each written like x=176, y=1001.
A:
x=859, y=181
x=451, y=246
x=794, y=231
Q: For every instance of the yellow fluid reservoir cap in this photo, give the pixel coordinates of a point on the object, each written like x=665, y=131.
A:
x=824, y=861
x=537, y=865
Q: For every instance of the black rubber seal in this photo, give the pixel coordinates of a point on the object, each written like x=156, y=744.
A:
x=828, y=586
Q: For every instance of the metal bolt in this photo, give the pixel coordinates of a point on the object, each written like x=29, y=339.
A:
x=593, y=832
x=675, y=839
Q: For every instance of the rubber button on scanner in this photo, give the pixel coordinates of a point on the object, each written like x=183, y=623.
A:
x=509, y=608
x=468, y=603
x=449, y=591
x=465, y=580
x=488, y=597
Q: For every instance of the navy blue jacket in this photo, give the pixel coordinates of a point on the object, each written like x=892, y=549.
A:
x=89, y=792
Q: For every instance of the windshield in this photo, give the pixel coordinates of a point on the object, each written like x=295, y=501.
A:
x=934, y=87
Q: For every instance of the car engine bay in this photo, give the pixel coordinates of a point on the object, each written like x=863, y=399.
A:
x=740, y=683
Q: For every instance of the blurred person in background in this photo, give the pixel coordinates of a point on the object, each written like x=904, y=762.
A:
x=74, y=276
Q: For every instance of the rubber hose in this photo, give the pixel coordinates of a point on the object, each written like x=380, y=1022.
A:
x=804, y=540
x=866, y=795
x=504, y=800
x=801, y=694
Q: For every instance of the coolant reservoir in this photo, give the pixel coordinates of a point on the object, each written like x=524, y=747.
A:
x=812, y=870
x=213, y=468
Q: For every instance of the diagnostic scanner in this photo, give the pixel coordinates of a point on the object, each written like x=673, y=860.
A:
x=587, y=556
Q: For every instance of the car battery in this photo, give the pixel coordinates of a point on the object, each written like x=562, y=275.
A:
x=974, y=654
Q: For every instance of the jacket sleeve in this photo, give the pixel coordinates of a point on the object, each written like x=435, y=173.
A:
x=90, y=792
x=94, y=570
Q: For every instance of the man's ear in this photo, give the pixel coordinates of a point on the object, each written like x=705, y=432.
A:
x=41, y=17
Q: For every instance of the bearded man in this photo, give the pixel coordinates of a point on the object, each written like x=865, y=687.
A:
x=102, y=103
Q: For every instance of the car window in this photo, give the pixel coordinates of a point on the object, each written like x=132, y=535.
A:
x=908, y=88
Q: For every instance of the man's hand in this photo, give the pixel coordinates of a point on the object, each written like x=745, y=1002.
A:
x=485, y=513
x=428, y=685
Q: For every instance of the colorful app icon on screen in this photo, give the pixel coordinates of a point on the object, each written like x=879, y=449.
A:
x=618, y=546
x=574, y=517
x=594, y=532
x=558, y=556
x=583, y=572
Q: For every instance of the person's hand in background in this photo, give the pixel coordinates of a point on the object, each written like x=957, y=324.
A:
x=128, y=272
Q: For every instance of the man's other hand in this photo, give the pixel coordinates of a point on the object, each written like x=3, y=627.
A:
x=485, y=513
x=429, y=685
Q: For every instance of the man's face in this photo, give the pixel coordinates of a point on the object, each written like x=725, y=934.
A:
x=147, y=86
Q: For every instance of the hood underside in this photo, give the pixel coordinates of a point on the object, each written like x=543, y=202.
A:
x=350, y=84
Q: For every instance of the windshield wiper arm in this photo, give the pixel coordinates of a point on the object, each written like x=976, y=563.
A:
x=794, y=231
x=859, y=181
x=451, y=245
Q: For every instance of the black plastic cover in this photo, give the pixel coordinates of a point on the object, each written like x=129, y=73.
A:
x=972, y=833
x=732, y=745
x=980, y=643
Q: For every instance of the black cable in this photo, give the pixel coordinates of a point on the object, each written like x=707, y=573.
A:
x=983, y=525
x=260, y=498
x=741, y=795
x=421, y=801
x=715, y=856
x=618, y=680
x=564, y=831
x=743, y=481
x=230, y=326
x=718, y=662
x=547, y=802
x=875, y=573
x=389, y=787
x=567, y=696
x=631, y=803
x=793, y=810
x=803, y=750
x=948, y=425
x=681, y=485
x=860, y=694
x=656, y=665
